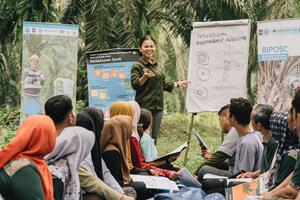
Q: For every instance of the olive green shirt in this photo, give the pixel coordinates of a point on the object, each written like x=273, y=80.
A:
x=295, y=181
x=287, y=166
x=270, y=146
x=151, y=94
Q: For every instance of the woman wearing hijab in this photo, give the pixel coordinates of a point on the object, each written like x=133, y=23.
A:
x=115, y=135
x=125, y=108
x=283, y=131
x=72, y=147
x=24, y=174
x=138, y=159
x=93, y=120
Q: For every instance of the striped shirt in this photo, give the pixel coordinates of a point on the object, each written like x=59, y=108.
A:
x=33, y=81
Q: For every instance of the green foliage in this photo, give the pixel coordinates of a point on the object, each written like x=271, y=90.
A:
x=181, y=14
x=12, y=15
x=174, y=132
x=106, y=23
x=9, y=122
x=79, y=105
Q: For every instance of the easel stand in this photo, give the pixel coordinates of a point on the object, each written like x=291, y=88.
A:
x=189, y=138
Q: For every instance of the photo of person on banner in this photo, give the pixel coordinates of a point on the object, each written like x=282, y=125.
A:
x=33, y=81
x=49, y=65
x=295, y=84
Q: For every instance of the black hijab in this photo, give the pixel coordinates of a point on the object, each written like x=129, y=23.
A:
x=286, y=140
x=93, y=120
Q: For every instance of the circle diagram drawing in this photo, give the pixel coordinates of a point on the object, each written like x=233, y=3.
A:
x=203, y=74
x=202, y=58
x=200, y=92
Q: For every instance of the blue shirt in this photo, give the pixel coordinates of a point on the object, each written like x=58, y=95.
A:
x=148, y=147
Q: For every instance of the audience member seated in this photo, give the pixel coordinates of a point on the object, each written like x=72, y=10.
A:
x=283, y=162
x=72, y=146
x=138, y=159
x=93, y=120
x=60, y=109
x=283, y=130
x=146, y=141
x=249, y=148
x=24, y=173
x=222, y=161
x=147, y=145
x=116, y=133
x=290, y=187
x=125, y=108
x=260, y=120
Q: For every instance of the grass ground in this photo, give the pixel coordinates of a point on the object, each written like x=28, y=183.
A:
x=175, y=130
x=173, y=133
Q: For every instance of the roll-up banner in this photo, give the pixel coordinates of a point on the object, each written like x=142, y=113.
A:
x=217, y=64
x=49, y=62
x=109, y=77
x=278, y=62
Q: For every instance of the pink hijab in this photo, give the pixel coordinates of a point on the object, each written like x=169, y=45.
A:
x=136, y=118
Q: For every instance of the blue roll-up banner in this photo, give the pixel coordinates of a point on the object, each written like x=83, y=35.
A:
x=109, y=77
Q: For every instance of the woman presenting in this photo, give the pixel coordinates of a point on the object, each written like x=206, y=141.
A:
x=148, y=79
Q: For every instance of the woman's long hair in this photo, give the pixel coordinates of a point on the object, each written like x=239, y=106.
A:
x=145, y=121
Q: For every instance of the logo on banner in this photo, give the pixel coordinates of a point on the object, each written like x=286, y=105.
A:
x=27, y=30
x=260, y=32
x=33, y=30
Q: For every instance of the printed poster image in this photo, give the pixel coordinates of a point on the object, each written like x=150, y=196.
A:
x=49, y=62
x=217, y=64
x=278, y=62
x=109, y=78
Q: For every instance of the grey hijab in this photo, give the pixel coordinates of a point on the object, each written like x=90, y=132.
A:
x=72, y=147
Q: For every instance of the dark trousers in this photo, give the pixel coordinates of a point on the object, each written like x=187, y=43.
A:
x=213, y=185
x=140, y=189
x=157, y=117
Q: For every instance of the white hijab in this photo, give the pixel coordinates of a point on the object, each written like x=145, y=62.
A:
x=72, y=146
x=136, y=118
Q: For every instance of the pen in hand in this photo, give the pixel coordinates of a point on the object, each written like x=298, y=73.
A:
x=241, y=171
